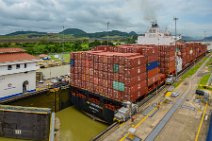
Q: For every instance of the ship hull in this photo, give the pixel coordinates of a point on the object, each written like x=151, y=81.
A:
x=93, y=104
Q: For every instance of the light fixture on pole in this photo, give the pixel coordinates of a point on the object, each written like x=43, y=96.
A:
x=108, y=24
x=175, y=22
x=63, y=47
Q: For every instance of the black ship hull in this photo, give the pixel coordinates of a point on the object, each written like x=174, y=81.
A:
x=93, y=104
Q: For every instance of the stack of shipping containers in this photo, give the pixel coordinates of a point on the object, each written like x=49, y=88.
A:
x=167, y=59
x=153, y=72
x=119, y=76
x=189, y=52
x=101, y=79
x=151, y=54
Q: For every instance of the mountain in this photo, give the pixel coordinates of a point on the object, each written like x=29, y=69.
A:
x=189, y=38
x=73, y=31
x=108, y=33
x=81, y=33
x=25, y=32
x=208, y=38
x=77, y=33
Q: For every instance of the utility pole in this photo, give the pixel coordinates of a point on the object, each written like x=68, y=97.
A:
x=108, y=24
x=63, y=47
x=175, y=22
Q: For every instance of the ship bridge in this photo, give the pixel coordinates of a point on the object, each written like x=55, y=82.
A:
x=157, y=37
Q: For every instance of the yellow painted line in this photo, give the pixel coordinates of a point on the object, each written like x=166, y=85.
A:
x=139, y=123
x=201, y=122
x=123, y=138
x=121, y=124
x=142, y=120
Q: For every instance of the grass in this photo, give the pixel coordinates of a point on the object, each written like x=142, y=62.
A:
x=209, y=64
x=203, y=81
x=66, y=57
x=189, y=72
x=206, y=77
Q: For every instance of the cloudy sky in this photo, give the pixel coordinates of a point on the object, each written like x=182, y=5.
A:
x=195, y=16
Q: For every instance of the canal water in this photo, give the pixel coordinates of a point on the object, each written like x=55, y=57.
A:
x=74, y=125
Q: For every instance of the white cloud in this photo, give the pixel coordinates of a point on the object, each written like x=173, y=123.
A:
x=92, y=15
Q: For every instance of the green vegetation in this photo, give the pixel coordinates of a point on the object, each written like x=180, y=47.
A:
x=72, y=32
x=204, y=81
x=74, y=40
x=190, y=72
x=80, y=33
x=25, y=32
x=209, y=64
x=44, y=47
x=205, y=78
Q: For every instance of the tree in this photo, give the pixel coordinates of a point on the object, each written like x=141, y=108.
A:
x=94, y=44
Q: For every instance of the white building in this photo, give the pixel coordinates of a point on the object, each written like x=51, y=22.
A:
x=17, y=72
x=156, y=37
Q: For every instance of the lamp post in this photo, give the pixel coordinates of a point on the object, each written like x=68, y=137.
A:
x=108, y=24
x=63, y=48
x=175, y=22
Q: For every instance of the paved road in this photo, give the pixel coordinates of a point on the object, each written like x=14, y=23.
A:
x=55, y=71
x=166, y=118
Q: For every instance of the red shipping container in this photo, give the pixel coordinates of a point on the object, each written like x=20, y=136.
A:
x=105, y=74
x=134, y=71
x=153, y=72
x=110, y=84
x=101, y=91
x=116, y=76
x=115, y=94
x=135, y=61
x=109, y=67
x=110, y=93
x=96, y=80
x=110, y=76
x=129, y=81
x=132, y=89
x=153, y=79
x=96, y=89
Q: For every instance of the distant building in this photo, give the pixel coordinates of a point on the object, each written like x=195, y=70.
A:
x=41, y=56
x=17, y=72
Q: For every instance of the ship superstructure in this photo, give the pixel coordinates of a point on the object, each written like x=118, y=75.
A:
x=155, y=36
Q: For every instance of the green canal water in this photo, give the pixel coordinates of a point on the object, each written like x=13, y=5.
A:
x=74, y=125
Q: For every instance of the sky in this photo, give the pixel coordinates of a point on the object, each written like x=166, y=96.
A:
x=195, y=16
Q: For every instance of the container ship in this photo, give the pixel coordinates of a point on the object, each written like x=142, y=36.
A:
x=105, y=77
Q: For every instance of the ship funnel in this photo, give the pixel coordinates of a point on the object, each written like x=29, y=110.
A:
x=154, y=24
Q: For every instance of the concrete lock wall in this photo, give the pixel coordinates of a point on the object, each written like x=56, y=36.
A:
x=24, y=125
